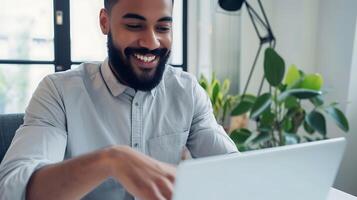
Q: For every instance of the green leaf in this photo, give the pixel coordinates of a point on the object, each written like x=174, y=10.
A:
x=263, y=136
x=265, y=129
x=299, y=93
x=339, y=118
x=312, y=82
x=317, y=121
x=213, y=78
x=291, y=102
x=334, y=104
x=203, y=78
x=261, y=104
x=243, y=148
x=240, y=135
x=204, y=83
x=248, y=97
x=282, y=87
x=297, y=116
x=226, y=106
x=267, y=119
x=219, y=100
x=215, y=92
x=317, y=101
x=308, y=128
x=302, y=74
x=287, y=124
x=293, y=77
x=242, y=107
x=226, y=86
x=274, y=67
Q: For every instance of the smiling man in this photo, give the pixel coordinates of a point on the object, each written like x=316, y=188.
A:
x=114, y=130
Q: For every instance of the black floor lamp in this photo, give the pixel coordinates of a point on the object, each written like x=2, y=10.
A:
x=264, y=38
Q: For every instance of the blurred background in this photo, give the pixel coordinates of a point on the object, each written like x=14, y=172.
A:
x=32, y=45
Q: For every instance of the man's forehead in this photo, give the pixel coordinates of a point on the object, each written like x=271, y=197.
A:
x=149, y=9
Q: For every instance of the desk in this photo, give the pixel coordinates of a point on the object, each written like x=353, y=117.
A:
x=339, y=195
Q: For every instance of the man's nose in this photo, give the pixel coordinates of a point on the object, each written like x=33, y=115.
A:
x=149, y=40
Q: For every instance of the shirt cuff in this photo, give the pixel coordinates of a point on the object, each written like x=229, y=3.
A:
x=14, y=179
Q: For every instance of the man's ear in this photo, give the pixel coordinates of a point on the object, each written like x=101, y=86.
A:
x=104, y=21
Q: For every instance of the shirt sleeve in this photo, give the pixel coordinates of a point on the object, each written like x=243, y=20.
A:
x=40, y=141
x=207, y=137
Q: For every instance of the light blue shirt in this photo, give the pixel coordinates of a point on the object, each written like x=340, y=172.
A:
x=76, y=112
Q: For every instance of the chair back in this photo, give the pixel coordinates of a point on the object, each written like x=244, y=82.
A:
x=9, y=123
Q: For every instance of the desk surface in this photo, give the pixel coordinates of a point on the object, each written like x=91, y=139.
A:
x=339, y=195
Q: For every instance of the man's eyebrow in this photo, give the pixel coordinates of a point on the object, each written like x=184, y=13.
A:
x=165, y=19
x=139, y=17
x=134, y=16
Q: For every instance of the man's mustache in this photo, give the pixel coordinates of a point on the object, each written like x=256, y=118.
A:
x=156, y=52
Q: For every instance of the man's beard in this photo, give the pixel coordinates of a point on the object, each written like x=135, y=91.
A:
x=124, y=71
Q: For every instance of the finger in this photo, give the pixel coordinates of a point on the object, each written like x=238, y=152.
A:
x=166, y=188
x=158, y=195
x=171, y=173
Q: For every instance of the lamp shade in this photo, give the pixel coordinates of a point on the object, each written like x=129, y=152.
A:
x=231, y=5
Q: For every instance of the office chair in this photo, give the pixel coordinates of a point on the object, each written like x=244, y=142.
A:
x=9, y=123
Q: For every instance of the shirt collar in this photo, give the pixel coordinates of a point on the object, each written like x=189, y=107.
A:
x=115, y=87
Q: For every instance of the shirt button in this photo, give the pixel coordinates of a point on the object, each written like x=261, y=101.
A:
x=136, y=145
x=136, y=104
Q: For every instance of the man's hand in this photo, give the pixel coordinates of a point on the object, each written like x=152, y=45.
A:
x=139, y=174
x=142, y=176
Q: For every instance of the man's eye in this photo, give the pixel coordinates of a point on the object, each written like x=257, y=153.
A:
x=133, y=26
x=164, y=28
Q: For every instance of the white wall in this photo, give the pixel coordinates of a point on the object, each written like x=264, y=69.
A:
x=347, y=176
x=337, y=36
x=335, y=44
x=249, y=46
x=213, y=42
x=294, y=25
x=192, y=36
x=225, y=46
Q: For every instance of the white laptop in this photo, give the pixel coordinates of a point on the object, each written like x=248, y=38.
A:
x=296, y=172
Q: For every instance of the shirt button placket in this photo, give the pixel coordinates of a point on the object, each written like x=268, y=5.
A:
x=136, y=123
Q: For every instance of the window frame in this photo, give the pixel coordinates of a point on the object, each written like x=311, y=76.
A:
x=62, y=40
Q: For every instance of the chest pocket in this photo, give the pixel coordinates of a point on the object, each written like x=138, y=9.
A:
x=168, y=148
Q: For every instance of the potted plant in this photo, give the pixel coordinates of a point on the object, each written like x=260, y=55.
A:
x=283, y=115
x=222, y=102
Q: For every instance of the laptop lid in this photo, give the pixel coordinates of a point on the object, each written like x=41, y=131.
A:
x=303, y=171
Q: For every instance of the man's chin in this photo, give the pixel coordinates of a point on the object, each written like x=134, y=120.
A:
x=144, y=71
x=145, y=75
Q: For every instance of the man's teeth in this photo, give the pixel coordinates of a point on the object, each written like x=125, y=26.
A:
x=145, y=58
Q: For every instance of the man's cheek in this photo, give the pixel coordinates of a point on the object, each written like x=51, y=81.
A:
x=125, y=57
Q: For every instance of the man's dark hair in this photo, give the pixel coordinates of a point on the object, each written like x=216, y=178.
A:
x=108, y=4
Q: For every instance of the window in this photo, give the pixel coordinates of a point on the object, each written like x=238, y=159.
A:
x=17, y=83
x=26, y=34
x=87, y=41
x=26, y=50
x=33, y=44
